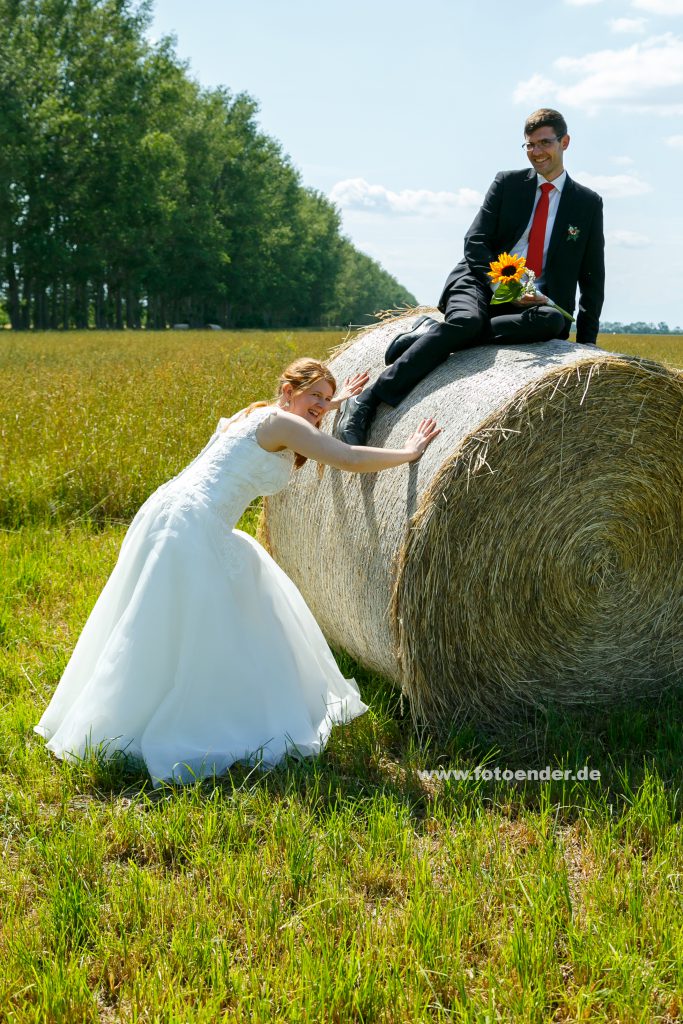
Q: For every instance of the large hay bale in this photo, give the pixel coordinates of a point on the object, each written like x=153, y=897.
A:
x=533, y=554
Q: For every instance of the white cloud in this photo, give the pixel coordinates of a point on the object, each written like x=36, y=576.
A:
x=654, y=109
x=534, y=90
x=628, y=26
x=627, y=239
x=582, y=3
x=623, y=161
x=614, y=186
x=675, y=141
x=358, y=194
x=610, y=76
x=659, y=6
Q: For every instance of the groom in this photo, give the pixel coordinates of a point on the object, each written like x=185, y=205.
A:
x=540, y=214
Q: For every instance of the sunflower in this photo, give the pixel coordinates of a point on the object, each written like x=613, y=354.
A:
x=507, y=268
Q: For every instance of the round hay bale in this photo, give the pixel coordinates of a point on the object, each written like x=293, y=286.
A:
x=533, y=555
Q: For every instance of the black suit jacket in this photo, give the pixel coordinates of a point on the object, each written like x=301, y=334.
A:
x=571, y=261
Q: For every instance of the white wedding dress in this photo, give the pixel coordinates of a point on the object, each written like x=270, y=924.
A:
x=200, y=651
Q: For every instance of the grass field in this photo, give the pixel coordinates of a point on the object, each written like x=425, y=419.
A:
x=345, y=889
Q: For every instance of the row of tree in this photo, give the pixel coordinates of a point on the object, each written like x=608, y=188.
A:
x=639, y=327
x=129, y=196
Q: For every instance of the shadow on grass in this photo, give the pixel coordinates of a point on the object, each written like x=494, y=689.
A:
x=383, y=754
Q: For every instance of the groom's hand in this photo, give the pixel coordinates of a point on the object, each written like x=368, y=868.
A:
x=530, y=300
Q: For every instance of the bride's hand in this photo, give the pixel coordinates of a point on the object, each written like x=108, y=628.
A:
x=352, y=386
x=423, y=436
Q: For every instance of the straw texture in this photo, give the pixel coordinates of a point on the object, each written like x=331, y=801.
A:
x=532, y=556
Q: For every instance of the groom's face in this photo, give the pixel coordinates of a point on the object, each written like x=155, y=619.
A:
x=546, y=154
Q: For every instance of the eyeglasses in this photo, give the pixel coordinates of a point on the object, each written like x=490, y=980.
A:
x=529, y=147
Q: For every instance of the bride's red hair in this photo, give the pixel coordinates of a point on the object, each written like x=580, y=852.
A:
x=301, y=374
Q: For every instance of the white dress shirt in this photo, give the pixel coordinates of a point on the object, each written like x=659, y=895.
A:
x=522, y=246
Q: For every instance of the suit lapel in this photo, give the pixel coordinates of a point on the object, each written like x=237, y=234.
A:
x=563, y=215
x=526, y=205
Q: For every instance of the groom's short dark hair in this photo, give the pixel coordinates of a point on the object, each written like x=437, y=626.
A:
x=545, y=117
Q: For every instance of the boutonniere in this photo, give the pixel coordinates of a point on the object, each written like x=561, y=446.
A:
x=573, y=233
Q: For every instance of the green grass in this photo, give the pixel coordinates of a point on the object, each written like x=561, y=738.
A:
x=342, y=889
x=665, y=348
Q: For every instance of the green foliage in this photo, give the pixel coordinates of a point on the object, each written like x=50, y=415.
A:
x=129, y=196
x=363, y=287
x=507, y=291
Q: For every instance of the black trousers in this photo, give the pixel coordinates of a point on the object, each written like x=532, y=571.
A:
x=470, y=320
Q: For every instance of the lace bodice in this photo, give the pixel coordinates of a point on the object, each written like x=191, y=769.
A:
x=229, y=472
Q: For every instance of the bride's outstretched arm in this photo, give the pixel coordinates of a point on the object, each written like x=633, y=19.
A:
x=285, y=430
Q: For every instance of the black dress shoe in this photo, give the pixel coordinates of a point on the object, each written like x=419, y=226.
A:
x=354, y=423
x=402, y=342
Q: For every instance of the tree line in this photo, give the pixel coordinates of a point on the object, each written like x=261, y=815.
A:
x=639, y=327
x=130, y=196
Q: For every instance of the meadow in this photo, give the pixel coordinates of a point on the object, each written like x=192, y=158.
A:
x=350, y=888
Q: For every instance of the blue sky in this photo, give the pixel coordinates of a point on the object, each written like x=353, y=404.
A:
x=403, y=112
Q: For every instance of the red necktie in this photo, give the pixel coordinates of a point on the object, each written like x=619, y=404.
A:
x=534, y=255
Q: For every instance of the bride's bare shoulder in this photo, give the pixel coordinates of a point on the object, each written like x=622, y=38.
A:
x=268, y=413
x=235, y=418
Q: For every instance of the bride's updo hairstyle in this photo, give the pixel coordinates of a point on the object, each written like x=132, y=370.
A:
x=304, y=373
x=301, y=374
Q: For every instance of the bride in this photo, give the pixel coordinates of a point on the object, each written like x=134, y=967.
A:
x=200, y=651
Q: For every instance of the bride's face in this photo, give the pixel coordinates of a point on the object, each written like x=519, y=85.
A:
x=313, y=403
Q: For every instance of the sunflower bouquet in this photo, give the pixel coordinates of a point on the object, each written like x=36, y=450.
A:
x=515, y=279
